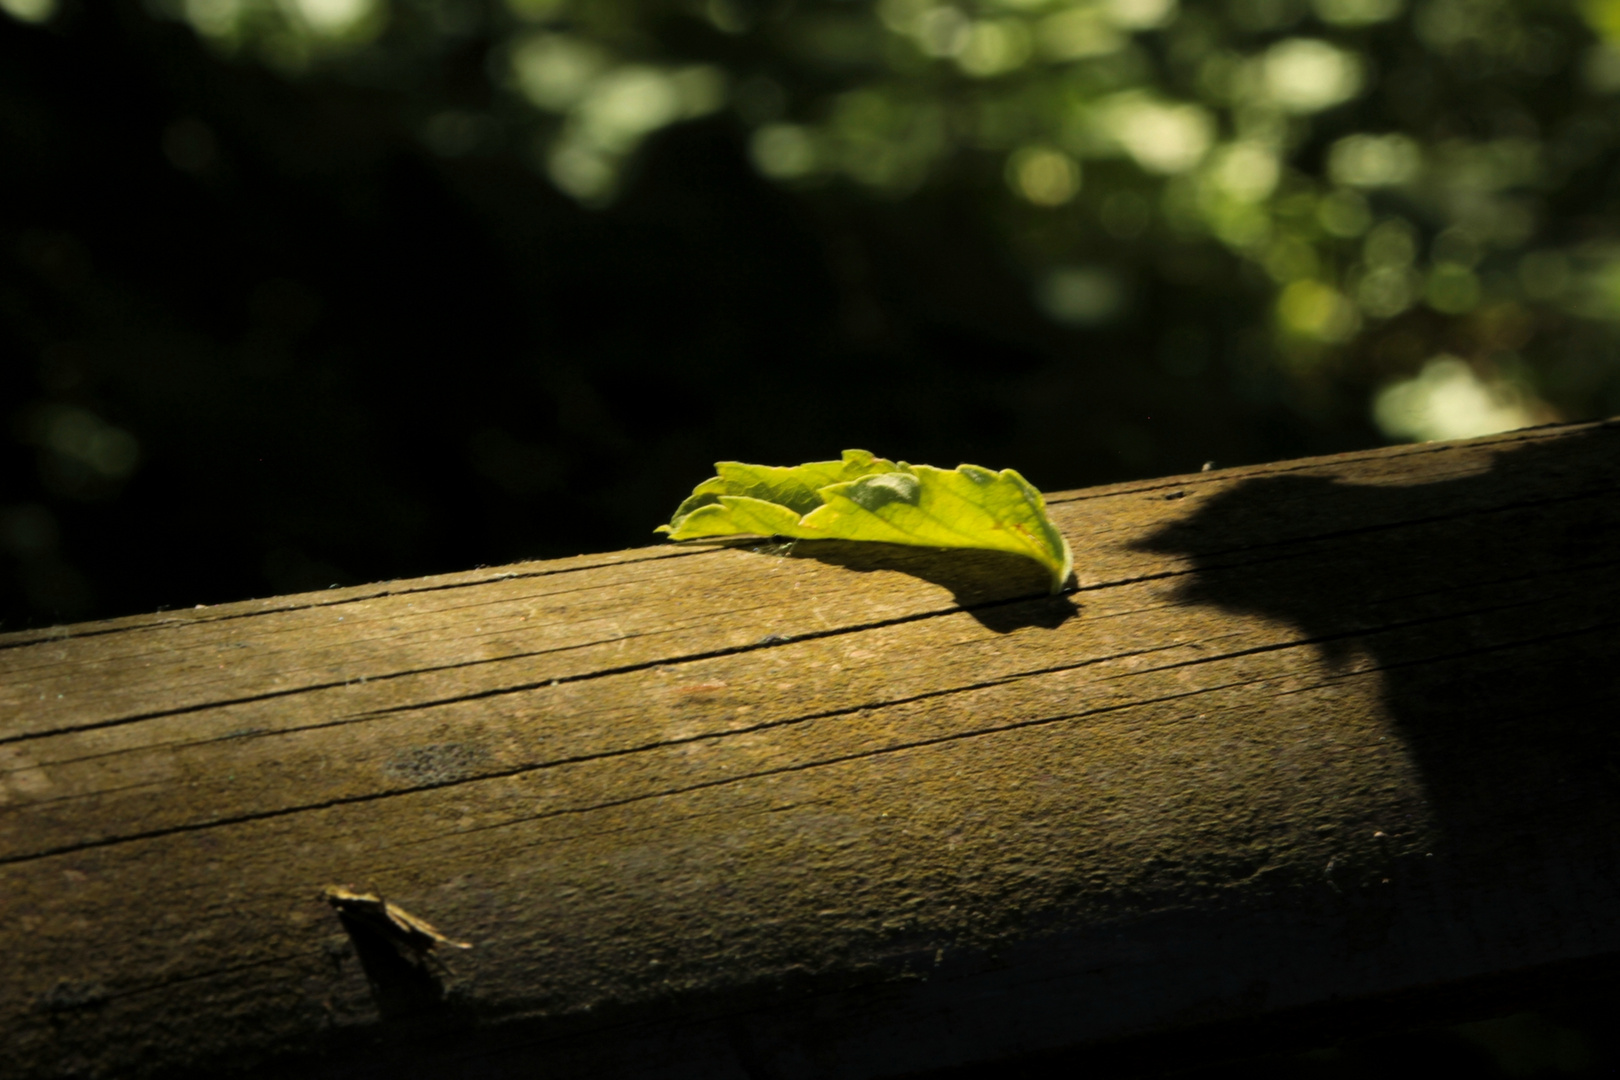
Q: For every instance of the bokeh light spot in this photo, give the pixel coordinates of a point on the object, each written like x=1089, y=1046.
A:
x=1160, y=137
x=783, y=151
x=214, y=18
x=1374, y=160
x=553, y=70
x=580, y=171
x=1291, y=258
x=81, y=447
x=1343, y=213
x=1600, y=68
x=29, y=11
x=334, y=18
x=1081, y=295
x=994, y=48
x=625, y=104
x=1448, y=400
x=1246, y=171
x=942, y=31
x=1304, y=75
x=1315, y=309
x=1043, y=175
x=1141, y=14
x=1391, y=243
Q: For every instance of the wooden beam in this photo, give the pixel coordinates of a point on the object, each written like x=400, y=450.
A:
x=1315, y=731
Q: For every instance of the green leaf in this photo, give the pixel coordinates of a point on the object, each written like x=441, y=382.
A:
x=863, y=497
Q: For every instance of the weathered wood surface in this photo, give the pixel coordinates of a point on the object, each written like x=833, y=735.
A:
x=1328, y=729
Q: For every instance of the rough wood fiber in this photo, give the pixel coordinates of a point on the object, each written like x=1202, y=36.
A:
x=1326, y=729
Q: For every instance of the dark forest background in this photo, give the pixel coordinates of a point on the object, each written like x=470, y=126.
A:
x=296, y=293
x=304, y=292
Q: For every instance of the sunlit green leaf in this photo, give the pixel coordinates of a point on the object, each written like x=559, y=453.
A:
x=863, y=497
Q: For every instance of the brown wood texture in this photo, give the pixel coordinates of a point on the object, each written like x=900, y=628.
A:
x=1321, y=730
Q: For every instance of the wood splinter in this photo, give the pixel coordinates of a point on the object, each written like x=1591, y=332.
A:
x=400, y=926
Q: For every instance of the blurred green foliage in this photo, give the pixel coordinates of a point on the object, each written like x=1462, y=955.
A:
x=1416, y=194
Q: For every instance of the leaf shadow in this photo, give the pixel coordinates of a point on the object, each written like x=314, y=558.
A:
x=1002, y=592
x=1485, y=603
x=404, y=986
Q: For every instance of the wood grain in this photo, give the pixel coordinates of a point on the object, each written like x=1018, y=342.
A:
x=1328, y=729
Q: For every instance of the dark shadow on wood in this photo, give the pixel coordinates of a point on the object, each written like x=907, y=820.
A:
x=1003, y=592
x=404, y=986
x=1376, y=1030
x=1490, y=606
